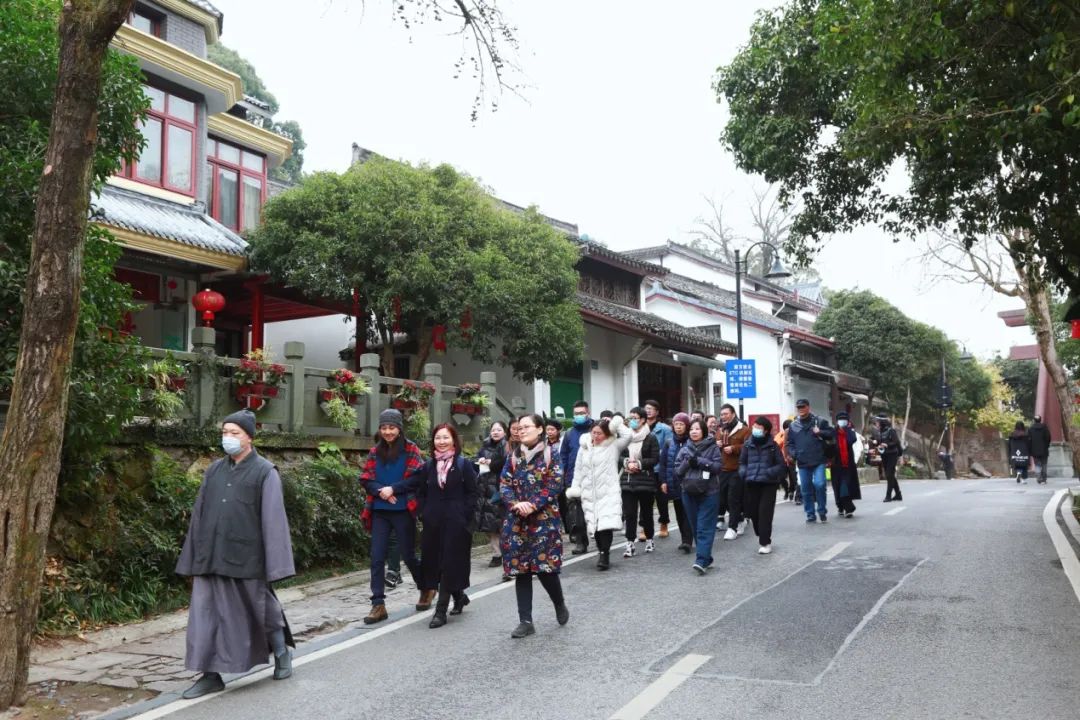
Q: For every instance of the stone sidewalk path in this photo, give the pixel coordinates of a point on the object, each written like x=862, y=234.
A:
x=149, y=656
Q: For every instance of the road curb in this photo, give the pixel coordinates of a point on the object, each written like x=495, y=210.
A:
x=1066, y=553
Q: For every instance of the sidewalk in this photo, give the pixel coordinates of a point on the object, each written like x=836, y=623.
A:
x=119, y=666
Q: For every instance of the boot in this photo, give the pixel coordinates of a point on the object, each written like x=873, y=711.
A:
x=377, y=614
x=460, y=601
x=562, y=613
x=424, y=603
x=438, y=619
x=603, y=560
x=663, y=530
x=580, y=548
x=210, y=682
x=283, y=665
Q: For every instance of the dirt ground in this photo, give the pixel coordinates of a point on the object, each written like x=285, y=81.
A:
x=55, y=700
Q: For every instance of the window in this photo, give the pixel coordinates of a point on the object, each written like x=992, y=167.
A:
x=168, y=159
x=147, y=20
x=236, y=185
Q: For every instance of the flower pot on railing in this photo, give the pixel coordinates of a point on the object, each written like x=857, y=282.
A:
x=254, y=396
x=178, y=384
x=470, y=409
x=326, y=395
x=399, y=404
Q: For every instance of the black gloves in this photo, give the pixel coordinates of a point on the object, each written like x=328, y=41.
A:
x=693, y=462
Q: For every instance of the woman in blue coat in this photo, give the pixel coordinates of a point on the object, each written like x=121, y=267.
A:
x=762, y=467
x=697, y=471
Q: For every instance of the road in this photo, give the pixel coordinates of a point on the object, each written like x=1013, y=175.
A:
x=952, y=604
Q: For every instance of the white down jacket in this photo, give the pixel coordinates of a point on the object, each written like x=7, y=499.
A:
x=596, y=478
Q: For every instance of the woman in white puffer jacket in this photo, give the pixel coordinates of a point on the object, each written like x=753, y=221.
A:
x=596, y=483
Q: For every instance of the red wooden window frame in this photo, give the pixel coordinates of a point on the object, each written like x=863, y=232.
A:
x=157, y=20
x=214, y=161
x=168, y=120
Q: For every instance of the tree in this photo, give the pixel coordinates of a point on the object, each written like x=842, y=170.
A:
x=978, y=99
x=1022, y=378
x=292, y=169
x=34, y=428
x=423, y=246
x=1000, y=412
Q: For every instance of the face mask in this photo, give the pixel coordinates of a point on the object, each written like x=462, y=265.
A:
x=580, y=419
x=841, y=423
x=231, y=445
x=758, y=432
x=634, y=424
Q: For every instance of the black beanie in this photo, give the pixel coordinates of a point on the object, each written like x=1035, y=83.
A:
x=245, y=419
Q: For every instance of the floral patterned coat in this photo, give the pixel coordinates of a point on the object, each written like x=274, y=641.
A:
x=532, y=544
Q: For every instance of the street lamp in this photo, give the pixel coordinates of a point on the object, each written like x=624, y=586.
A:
x=776, y=272
x=944, y=403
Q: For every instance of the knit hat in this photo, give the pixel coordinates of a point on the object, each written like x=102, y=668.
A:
x=392, y=417
x=681, y=417
x=245, y=419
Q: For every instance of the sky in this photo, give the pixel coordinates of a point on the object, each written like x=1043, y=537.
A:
x=617, y=128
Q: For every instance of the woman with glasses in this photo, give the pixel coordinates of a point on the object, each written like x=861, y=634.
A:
x=532, y=532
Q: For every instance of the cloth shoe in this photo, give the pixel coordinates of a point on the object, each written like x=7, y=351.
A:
x=283, y=665
x=730, y=534
x=523, y=629
x=208, y=683
x=424, y=603
x=699, y=569
x=663, y=531
x=631, y=549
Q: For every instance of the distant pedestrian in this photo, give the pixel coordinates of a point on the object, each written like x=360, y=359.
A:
x=697, y=468
x=638, y=480
x=1020, y=452
x=662, y=431
x=532, y=532
x=1040, y=447
x=514, y=435
x=446, y=490
x=489, y=465
x=762, y=468
x=596, y=483
x=237, y=544
x=696, y=415
x=669, y=481
x=807, y=437
x=553, y=437
x=889, y=449
x=730, y=436
x=582, y=426
x=845, y=466
x=712, y=423
x=390, y=510
x=791, y=484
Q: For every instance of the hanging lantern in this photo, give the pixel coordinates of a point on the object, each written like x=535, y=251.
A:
x=438, y=338
x=207, y=303
x=397, y=314
x=1076, y=329
x=466, y=323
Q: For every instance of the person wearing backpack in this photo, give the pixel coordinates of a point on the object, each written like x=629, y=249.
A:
x=806, y=439
x=697, y=472
x=762, y=467
x=1020, y=452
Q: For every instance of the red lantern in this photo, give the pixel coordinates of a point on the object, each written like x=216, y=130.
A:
x=438, y=338
x=208, y=302
x=1076, y=329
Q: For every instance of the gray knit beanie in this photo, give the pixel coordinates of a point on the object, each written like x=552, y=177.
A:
x=245, y=419
x=392, y=417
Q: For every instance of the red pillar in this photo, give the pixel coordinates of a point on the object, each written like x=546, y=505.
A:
x=360, y=314
x=1047, y=405
x=258, y=325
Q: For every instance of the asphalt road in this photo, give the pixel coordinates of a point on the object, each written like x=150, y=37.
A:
x=952, y=604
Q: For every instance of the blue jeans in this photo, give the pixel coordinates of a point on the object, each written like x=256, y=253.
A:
x=812, y=483
x=701, y=513
x=403, y=527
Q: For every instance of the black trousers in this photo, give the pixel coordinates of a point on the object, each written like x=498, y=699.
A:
x=732, y=492
x=578, y=531
x=1040, y=465
x=686, y=535
x=792, y=482
x=603, y=540
x=888, y=462
x=523, y=587
x=563, y=509
x=638, y=507
x=662, y=506
x=760, y=507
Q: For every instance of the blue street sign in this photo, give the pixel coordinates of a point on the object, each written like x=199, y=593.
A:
x=741, y=379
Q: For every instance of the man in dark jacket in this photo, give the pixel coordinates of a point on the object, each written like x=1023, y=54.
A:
x=731, y=433
x=568, y=456
x=663, y=433
x=807, y=437
x=1040, y=447
x=890, y=449
x=236, y=546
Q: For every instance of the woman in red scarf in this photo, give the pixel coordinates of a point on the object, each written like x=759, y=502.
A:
x=845, y=466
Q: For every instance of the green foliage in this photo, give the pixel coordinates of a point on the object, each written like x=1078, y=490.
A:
x=324, y=501
x=418, y=428
x=292, y=170
x=340, y=413
x=829, y=96
x=452, y=248
x=1000, y=411
x=1021, y=377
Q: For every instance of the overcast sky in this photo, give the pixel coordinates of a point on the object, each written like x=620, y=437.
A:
x=617, y=132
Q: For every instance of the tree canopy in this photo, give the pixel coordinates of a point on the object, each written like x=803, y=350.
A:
x=977, y=99
x=423, y=247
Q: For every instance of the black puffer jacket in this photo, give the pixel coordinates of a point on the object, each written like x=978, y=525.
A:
x=762, y=462
x=491, y=510
x=645, y=479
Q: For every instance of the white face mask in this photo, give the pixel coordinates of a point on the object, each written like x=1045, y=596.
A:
x=841, y=423
x=231, y=445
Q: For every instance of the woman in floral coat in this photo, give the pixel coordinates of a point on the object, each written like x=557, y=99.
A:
x=532, y=532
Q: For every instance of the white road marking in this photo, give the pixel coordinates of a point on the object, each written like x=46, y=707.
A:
x=833, y=551
x=179, y=704
x=1069, y=562
x=1071, y=521
x=660, y=688
x=895, y=511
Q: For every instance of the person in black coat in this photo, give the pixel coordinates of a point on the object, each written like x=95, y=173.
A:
x=1020, y=452
x=638, y=481
x=489, y=463
x=762, y=467
x=1040, y=446
x=845, y=466
x=446, y=490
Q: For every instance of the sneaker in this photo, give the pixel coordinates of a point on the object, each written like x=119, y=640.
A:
x=764, y=550
x=684, y=547
x=393, y=578
x=523, y=630
x=742, y=527
x=824, y=518
x=811, y=520
x=850, y=514
x=721, y=525
x=1024, y=482
x=649, y=546
x=699, y=569
x=730, y=534
x=631, y=550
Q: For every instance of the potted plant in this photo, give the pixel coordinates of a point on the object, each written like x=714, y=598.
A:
x=257, y=380
x=413, y=395
x=346, y=385
x=165, y=382
x=470, y=401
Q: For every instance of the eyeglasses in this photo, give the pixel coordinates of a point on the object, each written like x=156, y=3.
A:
x=526, y=427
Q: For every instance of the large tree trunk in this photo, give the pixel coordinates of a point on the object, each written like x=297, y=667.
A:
x=907, y=416
x=34, y=432
x=1042, y=324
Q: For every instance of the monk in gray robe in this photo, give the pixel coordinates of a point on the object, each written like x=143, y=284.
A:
x=237, y=544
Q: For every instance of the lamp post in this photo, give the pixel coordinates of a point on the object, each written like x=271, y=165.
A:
x=776, y=272
x=945, y=401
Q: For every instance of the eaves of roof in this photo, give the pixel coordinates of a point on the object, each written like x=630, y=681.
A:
x=653, y=326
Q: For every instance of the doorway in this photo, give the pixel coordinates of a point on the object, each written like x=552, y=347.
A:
x=663, y=383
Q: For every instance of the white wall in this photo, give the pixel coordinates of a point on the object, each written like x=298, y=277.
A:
x=323, y=338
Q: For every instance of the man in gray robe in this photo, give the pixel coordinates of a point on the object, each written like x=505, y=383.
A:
x=237, y=544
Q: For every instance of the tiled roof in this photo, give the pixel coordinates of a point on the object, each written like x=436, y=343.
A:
x=722, y=298
x=604, y=253
x=655, y=325
x=204, y=5
x=163, y=219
